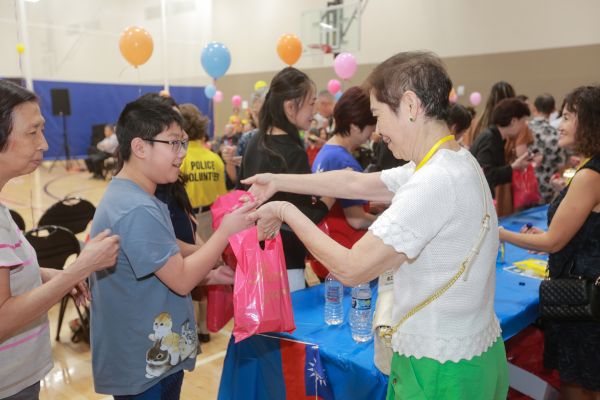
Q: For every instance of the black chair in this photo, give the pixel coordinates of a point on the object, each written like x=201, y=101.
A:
x=53, y=246
x=73, y=213
x=18, y=219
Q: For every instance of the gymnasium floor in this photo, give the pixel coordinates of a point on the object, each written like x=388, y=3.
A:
x=71, y=377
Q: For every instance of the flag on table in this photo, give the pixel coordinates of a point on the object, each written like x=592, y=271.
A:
x=293, y=370
x=303, y=372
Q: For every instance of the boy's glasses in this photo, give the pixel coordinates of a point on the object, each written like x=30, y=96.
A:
x=176, y=145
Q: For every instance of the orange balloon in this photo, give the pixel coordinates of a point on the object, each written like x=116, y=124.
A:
x=136, y=45
x=289, y=48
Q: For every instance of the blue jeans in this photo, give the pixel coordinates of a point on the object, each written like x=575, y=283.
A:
x=168, y=388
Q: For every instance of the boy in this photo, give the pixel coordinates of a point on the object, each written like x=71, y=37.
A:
x=143, y=327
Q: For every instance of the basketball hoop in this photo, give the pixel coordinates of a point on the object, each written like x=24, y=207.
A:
x=325, y=48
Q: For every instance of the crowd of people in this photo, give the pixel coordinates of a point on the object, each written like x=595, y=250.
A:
x=405, y=180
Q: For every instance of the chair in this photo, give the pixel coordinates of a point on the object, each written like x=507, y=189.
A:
x=53, y=246
x=73, y=213
x=18, y=219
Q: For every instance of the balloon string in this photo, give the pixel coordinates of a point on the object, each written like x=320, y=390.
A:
x=139, y=81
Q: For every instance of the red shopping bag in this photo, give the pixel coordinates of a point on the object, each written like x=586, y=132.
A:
x=525, y=188
x=261, y=293
x=219, y=298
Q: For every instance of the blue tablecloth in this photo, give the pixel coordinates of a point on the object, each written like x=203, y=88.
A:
x=252, y=368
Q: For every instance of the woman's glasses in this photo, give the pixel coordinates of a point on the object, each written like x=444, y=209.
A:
x=176, y=145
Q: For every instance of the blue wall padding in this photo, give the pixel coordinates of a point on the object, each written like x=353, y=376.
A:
x=98, y=103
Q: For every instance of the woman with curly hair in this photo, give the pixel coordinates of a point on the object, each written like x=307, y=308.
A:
x=573, y=242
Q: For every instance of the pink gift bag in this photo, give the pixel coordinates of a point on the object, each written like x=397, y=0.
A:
x=219, y=300
x=261, y=293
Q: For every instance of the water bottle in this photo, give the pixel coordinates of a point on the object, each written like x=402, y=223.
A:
x=334, y=297
x=360, y=314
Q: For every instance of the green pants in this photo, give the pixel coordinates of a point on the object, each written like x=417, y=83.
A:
x=483, y=377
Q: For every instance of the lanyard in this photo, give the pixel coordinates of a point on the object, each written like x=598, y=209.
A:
x=581, y=164
x=433, y=149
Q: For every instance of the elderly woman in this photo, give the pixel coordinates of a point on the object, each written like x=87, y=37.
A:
x=573, y=242
x=27, y=291
x=451, y=348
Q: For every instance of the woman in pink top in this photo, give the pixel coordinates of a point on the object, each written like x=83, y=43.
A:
x=27, y=291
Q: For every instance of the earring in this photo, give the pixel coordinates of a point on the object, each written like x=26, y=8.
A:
x=411, y=119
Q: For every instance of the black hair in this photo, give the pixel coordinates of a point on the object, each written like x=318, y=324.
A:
x=500, y=91
x=143, y=118
x=460, y=117
x=584, y=102
x=289, y=84
x=11, y=96
x=545, y=103
x=508, y=109
x=354, y=107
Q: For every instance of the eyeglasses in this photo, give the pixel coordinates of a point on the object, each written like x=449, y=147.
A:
x=176, y=145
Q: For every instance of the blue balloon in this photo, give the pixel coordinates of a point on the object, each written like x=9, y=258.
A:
x=210, y=91
x=338, y=95
x=215, y=59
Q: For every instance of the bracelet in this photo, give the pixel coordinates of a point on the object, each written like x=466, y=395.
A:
x=282, y=210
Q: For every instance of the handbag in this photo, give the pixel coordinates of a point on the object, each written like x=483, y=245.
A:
x=570, y=299
x=383, y=323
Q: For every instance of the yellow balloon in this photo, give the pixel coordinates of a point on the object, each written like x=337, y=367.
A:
x=259, y=85
x=20, y=48
x=136, y=45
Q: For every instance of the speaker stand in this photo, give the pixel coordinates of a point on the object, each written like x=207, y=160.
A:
x=66, y=148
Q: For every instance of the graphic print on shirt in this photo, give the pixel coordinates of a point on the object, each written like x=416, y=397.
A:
x=169, y=348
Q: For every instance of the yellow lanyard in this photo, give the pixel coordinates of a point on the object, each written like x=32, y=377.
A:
x=433, y=149
x=581, y=164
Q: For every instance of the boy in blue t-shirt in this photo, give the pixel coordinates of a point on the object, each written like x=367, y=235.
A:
x=142, y=318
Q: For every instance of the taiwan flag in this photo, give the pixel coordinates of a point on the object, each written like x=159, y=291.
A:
x=292, y=369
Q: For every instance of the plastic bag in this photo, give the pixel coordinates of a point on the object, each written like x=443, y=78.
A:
x=219, y=298
x=261, y=293
x=525, y=188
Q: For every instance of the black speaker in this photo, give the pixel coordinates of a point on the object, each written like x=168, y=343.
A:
x=60, y=101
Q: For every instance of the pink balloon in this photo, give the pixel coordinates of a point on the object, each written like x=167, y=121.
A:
x=333, y=86
x=236, y=100
x=218, y=97
x=345, y=65
x=475, y=98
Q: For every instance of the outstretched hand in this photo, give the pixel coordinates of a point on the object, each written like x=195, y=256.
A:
x=238, y=219
x=263, y=186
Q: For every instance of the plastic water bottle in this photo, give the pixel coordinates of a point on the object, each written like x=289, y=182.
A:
x=334, y=297
x=360, y=314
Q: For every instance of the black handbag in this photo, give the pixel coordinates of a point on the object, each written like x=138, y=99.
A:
x=570, y=299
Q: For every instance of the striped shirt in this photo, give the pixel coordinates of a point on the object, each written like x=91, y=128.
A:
x=25, y=357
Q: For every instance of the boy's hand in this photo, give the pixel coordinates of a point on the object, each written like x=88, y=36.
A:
x=238, y=220
x=222, y=275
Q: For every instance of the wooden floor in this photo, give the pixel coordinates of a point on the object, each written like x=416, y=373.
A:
x=71, y=377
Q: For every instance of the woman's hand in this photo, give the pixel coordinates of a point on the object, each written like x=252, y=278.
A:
x=521, y=162
x=238, y=219
x=269, y=218
x=81, y=294
x=263, y=186
x=99, y=253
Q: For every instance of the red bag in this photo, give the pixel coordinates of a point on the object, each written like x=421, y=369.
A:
x=261, y=293
x=525, y=188
x=219, y=298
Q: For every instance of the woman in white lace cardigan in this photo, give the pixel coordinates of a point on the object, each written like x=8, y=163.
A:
x=451, y=348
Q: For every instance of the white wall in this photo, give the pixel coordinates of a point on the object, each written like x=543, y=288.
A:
x=77, y=40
